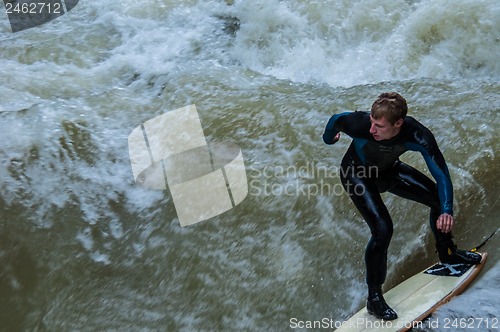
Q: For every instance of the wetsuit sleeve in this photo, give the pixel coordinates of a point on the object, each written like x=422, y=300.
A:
x=426, y=144
x=336, y=125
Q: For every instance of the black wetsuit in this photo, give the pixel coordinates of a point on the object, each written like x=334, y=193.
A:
x=370, y=167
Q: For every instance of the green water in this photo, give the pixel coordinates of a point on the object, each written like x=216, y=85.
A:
x=82, y=247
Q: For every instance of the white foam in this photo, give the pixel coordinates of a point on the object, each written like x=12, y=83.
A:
x=370, y=41
x=85, y=238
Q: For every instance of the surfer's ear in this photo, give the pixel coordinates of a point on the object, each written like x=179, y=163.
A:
x=399, y=123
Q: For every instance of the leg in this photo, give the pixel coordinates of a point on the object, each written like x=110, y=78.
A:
x=411, y=184
x=366, y=197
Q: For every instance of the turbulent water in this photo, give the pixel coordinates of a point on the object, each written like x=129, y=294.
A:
x=83, y=247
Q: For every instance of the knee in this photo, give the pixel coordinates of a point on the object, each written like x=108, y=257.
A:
x=383, y=235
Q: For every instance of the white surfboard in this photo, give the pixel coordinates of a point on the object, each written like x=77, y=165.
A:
x=417, y=297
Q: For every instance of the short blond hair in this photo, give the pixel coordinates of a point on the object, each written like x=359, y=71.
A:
x=391, y=106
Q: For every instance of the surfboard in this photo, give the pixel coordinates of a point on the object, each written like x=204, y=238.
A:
x=417, y=297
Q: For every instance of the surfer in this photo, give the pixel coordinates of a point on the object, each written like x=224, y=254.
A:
x=371, y=166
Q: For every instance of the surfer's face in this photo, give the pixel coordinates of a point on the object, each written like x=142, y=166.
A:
x=381, y=129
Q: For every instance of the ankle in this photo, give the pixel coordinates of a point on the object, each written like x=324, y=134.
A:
x=374, y=292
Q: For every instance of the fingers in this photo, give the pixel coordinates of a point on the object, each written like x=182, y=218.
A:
x=336, y=138
x=445, y=223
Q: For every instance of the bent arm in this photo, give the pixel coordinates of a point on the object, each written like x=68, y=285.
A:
x=333, y=127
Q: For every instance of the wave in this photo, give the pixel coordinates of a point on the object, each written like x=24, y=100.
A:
x=76, y=229
x=349, y=43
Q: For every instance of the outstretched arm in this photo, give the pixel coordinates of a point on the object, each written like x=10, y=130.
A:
x=427, y=145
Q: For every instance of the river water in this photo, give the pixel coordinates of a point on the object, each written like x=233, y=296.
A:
x=83, y=247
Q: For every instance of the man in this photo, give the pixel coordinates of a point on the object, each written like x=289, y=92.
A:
x=371, y=165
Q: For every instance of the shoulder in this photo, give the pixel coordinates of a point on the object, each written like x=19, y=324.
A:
x=345, y=120
x=419, y=134
x=415, y=127
x=356, y=123
x=356, y=117
x=361, y=115
x=414, y=123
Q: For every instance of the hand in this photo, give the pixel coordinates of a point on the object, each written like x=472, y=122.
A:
x=445, y=223
x=336, y=138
